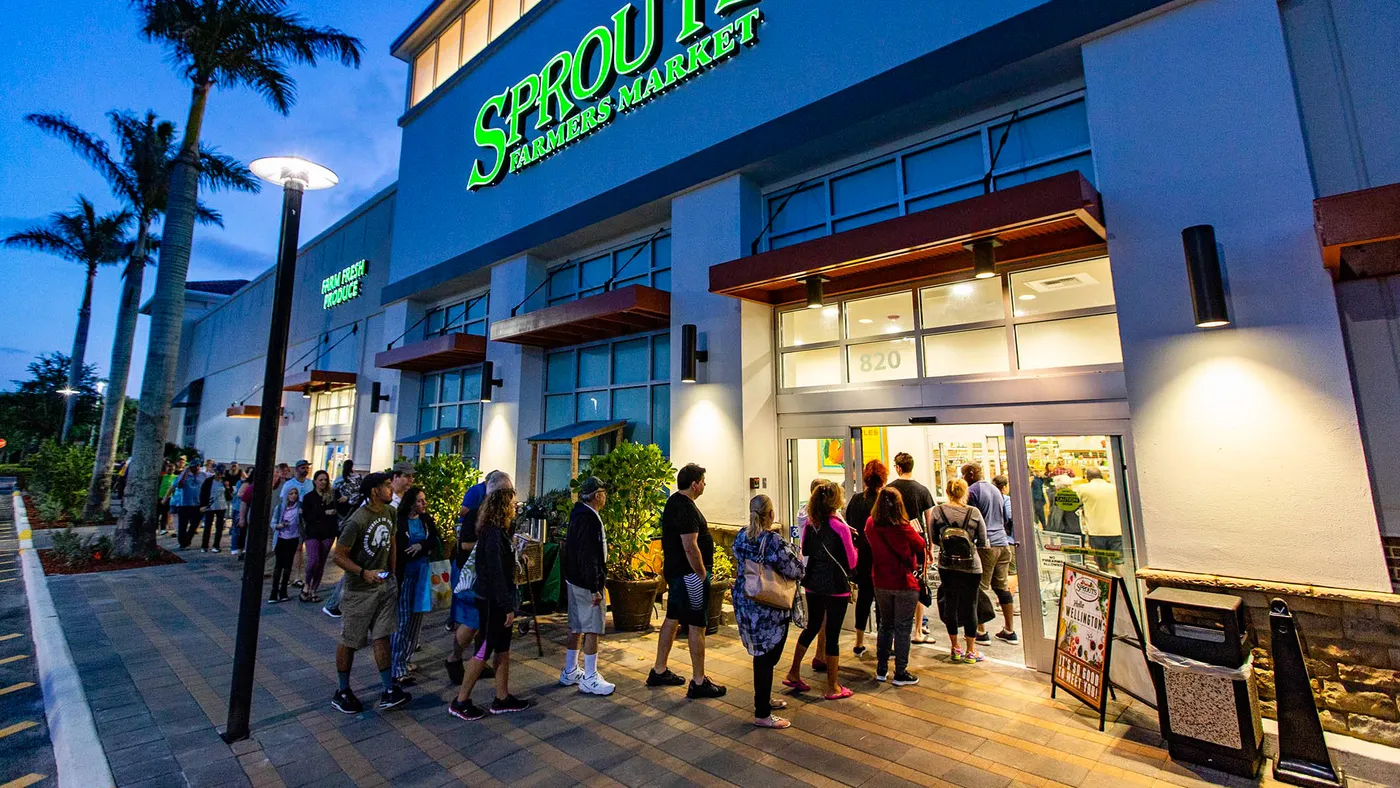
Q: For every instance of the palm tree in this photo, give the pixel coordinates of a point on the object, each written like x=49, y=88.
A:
x=83, y=237
x=210, y=42
x=140, y=177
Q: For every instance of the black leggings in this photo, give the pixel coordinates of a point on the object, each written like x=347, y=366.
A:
x=960, y=601
x=494, y=634
x=763, y=667
x=865, y=599
x=831, y=609
x=285, y=551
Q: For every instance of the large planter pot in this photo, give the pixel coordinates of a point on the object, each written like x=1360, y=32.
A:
x=715, y=610
x=631, y=603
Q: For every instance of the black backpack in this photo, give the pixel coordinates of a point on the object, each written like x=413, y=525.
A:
x=956, y=548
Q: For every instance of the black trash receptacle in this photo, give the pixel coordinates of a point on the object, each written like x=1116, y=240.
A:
x=1203, y=672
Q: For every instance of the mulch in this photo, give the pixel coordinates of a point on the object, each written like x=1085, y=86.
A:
x=37, y=524
x=54, y=565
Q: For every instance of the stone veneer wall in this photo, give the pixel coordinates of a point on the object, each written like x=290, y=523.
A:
x=1351, y=642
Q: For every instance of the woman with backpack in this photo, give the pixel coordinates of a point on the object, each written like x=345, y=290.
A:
x=897, y=562
x=959, y=531
x=829, y=545
x=763, y=628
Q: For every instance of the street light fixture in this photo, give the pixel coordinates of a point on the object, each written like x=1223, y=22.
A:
x=295, y=176
x=67, y=391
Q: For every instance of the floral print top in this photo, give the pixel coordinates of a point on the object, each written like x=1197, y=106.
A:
x=761, y=627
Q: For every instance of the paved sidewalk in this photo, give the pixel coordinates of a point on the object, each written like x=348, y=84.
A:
x=26, y=754
x=154, y=647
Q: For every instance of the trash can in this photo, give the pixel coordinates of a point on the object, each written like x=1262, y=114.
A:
x=1203, y=670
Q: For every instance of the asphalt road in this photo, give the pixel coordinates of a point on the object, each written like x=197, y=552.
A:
x=26, y=755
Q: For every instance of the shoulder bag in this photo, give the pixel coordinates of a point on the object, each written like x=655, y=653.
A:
x=925, y=593
x=854, y=589
x=766, y=586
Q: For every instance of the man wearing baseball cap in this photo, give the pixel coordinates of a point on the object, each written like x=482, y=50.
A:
x=585, y=567
x=403, y=479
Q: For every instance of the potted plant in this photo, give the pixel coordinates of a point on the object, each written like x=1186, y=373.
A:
x=721, y=578
x=636, y=476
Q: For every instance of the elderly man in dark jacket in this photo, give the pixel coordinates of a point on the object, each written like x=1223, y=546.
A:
x=585, y=560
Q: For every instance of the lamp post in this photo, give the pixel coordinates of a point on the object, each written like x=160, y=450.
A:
x=295, y=176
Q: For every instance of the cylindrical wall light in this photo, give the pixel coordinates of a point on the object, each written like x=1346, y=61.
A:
x=691, y=356
x=984, y=257
x=815, y=297
x=1207, y=279
x=489, y=380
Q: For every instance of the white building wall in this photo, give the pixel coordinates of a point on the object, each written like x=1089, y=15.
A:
x=517, y=412
x=710, y=225
x=1245, y=436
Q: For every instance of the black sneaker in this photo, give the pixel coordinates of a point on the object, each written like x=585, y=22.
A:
x=1009, y=637
x=272, y=600
x=667, y=679
x=333, y=612
x=345, y=702
x=882, y=673
x=510, y=705
x=455, y=672
x=394, y=698
x=707, y=690
x=465, y=711
x=905, y=679
x=984, y=638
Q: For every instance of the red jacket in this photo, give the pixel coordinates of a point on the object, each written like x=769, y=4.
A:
x=895, y=553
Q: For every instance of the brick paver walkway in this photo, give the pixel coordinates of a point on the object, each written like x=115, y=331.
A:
x=154, y=647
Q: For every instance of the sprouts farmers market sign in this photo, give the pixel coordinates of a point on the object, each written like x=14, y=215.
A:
x=343, y=285
x=573, y=96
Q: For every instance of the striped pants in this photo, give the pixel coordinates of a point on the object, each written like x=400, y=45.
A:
x=405, y=640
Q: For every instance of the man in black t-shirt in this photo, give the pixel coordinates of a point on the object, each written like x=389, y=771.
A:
x=918, y=502
x=688, y=555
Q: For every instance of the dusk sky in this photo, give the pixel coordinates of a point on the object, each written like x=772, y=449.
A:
x=85, y=58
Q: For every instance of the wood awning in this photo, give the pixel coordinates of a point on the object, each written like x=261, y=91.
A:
x=431, y=355
x=627, y=310
x=245, y=412
x=1056, y=215
x=572, y=435
x=1360, y=231
x=318, y=380
x=432, y=436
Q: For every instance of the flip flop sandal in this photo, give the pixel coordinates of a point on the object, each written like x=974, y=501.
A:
x=778, y=704
x=799, y=685
x=774, y=722
x=845, y=692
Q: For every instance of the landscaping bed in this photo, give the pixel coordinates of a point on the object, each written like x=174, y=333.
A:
x=55, y=564
x=37, y=523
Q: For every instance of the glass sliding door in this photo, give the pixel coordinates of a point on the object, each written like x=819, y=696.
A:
x=825, y=457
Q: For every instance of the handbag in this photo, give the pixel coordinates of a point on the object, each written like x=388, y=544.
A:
x=440, y=585
x=919, y=571
x=766, y=586
x=854, y=589
x=467, y=578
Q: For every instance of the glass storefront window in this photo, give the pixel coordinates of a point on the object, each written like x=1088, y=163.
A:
x=631, y=361
x=812, y=368
x=647, y=264
x=961, y=303
x=886, y=314
x=449, y=50
x=894, y=359
x=1079, y=341
x=451, y=399
x=811, y=326
x=462, y=40
x=463, y=317
x=1062, y=288
x=966, y=353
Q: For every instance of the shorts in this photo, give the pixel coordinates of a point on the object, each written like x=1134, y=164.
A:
x=463, y=604
x=689, y=602
x=1111, y=546
x=584, y=616
x=497, y=632
x=368, y=616
x=996, y=564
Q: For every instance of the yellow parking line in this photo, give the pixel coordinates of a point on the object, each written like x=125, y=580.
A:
x=10, y=636
x=17, y=727
x=23, y=685
x=9, y=580
x=15, y=658
x=23, y=782
x=26, y=534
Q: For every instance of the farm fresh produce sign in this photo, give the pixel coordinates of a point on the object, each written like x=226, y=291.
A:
x=573, y=96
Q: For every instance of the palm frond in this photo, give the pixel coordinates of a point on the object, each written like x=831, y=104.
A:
x=88, y=146
x=42, y=239
x=220, y=171
x=206, y=215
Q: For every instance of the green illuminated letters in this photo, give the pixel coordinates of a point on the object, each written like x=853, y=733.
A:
x=630, y=49
x=343, y=285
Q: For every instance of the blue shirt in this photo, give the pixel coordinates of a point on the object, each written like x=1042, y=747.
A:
x=187, y=491
x=988, y=499
x=476, y=494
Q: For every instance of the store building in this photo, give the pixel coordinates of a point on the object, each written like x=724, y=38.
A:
x=953, y=230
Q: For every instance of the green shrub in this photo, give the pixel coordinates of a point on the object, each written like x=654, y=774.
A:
x=50, y=509
x=76, y=550
x=20, y=472
x=445, y=479
x=553, y=507
x=636, y=476
x=62, y=472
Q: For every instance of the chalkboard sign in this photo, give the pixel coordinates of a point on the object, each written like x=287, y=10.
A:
x=1086, y=632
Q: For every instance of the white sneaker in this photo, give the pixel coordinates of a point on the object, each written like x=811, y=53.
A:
x=570, y=679
x=596, y=685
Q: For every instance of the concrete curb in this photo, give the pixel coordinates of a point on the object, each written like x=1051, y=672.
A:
x=77, y=749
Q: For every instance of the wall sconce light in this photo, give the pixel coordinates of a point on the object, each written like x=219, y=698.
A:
x=691, y=357
x=984, y=257
x=816, y=299
x=376, y=396
x=306, y=392
x=1207, y=279
x=489, y=380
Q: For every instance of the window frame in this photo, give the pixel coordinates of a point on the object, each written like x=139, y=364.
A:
x=437, y=405
x=439, y=30
x=651, y=383
x=619, y=261
x=466, y=303
x=1008, y=324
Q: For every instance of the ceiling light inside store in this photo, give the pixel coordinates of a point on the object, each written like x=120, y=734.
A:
x=1026, y=297
x=865, y=321
x=830, y=311
x=963, y=289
